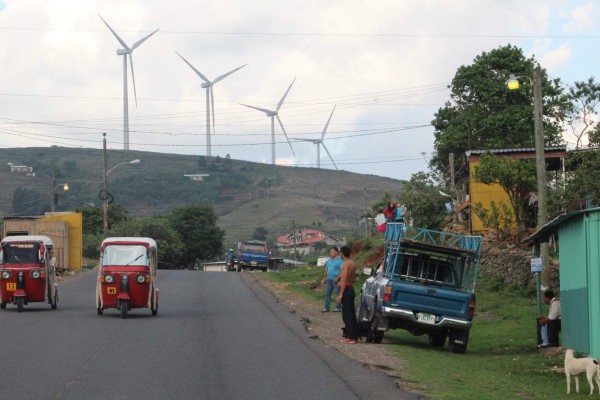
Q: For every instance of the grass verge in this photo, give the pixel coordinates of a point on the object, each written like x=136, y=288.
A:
x=502, y=360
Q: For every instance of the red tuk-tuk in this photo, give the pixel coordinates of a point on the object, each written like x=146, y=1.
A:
x=127, y=275
x=27, y=271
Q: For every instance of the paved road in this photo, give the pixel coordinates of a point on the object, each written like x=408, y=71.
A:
x=216, y=336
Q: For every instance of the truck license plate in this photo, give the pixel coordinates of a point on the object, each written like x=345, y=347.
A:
x=426, y=318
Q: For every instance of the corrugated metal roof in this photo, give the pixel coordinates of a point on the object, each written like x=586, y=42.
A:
x=543, y=234
x=516, y=150
x=22, y=217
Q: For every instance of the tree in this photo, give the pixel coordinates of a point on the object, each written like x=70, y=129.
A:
x=483, y=114
x=517, y=178
x=93, y=218
x=385, y=200
x=169, y=244
x=582, y=117
x=426, y=206
x=260, y=233
x=197, y=227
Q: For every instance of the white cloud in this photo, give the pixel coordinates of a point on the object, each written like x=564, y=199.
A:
x=583, y=19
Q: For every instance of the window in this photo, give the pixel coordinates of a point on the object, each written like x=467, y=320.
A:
x=119, y=254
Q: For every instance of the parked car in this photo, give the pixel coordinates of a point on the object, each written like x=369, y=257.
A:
x=425, y=284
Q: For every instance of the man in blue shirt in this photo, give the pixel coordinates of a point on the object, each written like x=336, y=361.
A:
x=333, y=268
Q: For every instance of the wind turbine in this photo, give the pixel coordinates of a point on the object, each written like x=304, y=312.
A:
x=319, y=143
x=127, y=51
x=275, y=114
x=210, y=97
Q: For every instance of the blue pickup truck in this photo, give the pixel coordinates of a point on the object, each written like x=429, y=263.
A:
x=425, y=284
x=253, y=254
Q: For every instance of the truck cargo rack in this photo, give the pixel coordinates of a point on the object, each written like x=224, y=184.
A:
x=400, y=236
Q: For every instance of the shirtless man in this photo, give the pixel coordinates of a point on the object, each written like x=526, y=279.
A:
x=347, y=295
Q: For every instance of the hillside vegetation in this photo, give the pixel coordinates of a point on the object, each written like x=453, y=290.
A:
x=245, y=195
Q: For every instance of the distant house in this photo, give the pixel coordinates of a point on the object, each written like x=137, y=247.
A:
x=196, y=177
x=304, y=241
x=21, y=169
x=486, y=194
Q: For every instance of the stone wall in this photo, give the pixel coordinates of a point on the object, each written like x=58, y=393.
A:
x=502, y=258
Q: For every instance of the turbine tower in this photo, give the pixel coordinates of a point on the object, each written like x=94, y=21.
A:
x=127, y=51
x=275, y=114
x=319, y=143
x=210, y=98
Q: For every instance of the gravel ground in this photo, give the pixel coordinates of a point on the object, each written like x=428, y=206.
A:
x=327, y=327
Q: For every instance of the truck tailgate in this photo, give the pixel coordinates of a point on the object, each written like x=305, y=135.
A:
x=256, y=257
x=432, y=300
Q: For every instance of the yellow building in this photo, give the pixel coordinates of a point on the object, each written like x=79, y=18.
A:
x=64, y=228
x=486, y=194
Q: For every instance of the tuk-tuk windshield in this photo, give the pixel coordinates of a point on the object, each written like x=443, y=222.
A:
x=125, y=254
x=21, y=253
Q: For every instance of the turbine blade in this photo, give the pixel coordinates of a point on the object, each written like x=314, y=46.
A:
x=115, y=33
x=220, y=77
x=132, y=77
x=331, y=158
x=268, y=112
x=314, y=141
x=142, y=40
x=212, y=104
x=327, y=124
x=205, y=79
x=286, y=136
x=284, y=96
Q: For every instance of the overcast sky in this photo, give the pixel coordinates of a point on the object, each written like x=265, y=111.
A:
x=386, y=64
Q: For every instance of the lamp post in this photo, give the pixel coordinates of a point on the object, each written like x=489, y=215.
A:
x=540, y=162
x=106, y=194
x=54, y=198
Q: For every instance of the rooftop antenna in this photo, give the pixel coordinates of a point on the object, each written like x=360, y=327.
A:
x=127, y=51
x=210, y=98
x=275, y=114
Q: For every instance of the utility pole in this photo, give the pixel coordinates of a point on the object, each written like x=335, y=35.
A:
x=53, y=193
x=453, y=184
x=105, y=196
x=294, y=236
x=540, y=163
x=366, y=219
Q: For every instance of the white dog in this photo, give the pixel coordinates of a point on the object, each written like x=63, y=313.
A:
x=575, y=366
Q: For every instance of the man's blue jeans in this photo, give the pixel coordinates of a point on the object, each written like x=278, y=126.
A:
x=330, y=287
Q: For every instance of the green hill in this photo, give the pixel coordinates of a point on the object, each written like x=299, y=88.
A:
x=245, y=195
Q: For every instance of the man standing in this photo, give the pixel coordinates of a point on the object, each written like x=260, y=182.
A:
x=332, y=270
x=346, y=297
x=551, y=324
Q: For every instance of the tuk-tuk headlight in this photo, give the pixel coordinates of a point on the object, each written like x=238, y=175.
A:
x=140, y=278
x=109, y=278
x=35, y=274
x=6, y=275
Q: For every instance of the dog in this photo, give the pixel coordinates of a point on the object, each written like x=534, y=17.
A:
x=575, y=366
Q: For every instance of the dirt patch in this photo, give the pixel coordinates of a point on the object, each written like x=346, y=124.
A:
x=327, y=327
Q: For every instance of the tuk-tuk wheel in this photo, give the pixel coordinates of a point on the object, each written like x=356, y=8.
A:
x=123, y=309
x=3, y=305
x=20, y=303
x=100, y=311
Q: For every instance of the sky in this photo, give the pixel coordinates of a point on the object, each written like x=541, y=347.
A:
x=384, y=65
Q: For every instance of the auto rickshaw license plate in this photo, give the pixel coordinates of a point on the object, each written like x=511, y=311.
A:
x=11, y=286
x=111, y=290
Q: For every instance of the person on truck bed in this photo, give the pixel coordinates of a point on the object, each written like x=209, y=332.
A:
x=400, y=212
x=346, y=297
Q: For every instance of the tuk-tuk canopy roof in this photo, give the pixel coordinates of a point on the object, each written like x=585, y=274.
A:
x=29, y=238
x=543, y=234
x=146, y=241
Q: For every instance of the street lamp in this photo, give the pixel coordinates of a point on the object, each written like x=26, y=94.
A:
x=105, y=193
x=540, y=162
x=54, y=198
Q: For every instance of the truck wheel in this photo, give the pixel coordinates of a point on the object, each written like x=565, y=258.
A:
x=437, y=339
x=375, y=335
x=458, y=341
